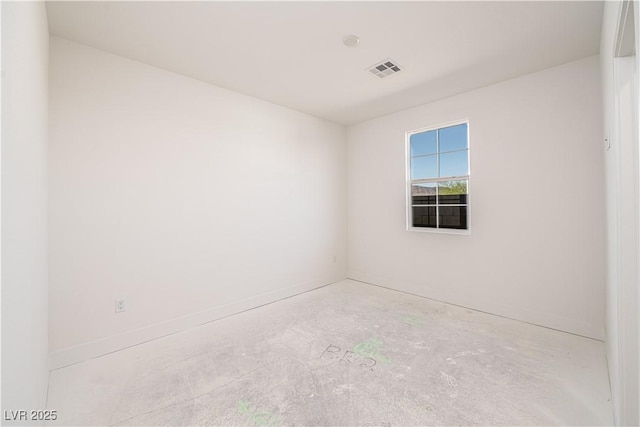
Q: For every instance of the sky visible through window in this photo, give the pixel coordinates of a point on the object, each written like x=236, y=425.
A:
x=439, y=153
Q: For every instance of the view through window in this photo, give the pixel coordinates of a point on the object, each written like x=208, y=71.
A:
x=439, y=177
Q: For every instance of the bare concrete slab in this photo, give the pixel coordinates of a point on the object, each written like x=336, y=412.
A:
x=346, y=354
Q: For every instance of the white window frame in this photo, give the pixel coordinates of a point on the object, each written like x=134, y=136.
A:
x=409, y=211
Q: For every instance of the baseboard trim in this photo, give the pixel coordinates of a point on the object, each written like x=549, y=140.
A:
x=80, y=353
x=545, y=320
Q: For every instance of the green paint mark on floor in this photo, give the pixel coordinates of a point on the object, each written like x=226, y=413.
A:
x=256, y=417
x=412, y=320
x=371, y=348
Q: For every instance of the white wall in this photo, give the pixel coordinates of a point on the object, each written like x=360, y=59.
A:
x=611, y=318
x=191, y=201
x=536, y=251
x=621, y=168
x=25, y=45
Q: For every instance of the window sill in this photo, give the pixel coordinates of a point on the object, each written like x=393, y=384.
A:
x=440, y=230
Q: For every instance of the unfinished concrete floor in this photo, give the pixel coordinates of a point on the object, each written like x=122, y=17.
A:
x=346, y=354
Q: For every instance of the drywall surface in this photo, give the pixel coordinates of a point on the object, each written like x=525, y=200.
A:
x=189, y=201
x=536, y=248
x=25, y=58
x=621, y=172
x=611, y=312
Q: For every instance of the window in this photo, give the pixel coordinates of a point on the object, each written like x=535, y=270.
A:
x=438, y=178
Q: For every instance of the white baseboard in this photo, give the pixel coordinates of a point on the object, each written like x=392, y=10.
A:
x=538, y=318
x=79, y=353
x=72, y=355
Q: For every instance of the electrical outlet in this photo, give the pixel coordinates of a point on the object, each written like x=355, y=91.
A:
x=335, y=259
x=120, y=305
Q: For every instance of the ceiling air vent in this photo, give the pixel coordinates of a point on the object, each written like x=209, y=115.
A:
x=385, y=68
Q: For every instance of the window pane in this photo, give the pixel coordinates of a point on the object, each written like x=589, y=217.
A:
x=454, y=164
x=452, y=192
x=424, y=167
x=453, y=138
x=423, y=194
x=424, y=216
x=423, y=143
x=453, y=217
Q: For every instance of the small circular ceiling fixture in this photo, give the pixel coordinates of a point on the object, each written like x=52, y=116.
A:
x=351, y=41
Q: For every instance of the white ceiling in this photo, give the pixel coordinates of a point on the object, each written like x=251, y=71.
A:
x=291, y=53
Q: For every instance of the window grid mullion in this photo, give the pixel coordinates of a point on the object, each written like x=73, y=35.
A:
x=443, y=152
x=438, y=175
x=443, y=204
x=437, y=203
x=438, y=153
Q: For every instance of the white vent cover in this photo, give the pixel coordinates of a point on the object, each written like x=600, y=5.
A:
x=385, y=68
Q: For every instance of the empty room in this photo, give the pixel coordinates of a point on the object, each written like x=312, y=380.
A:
x=320, y=213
